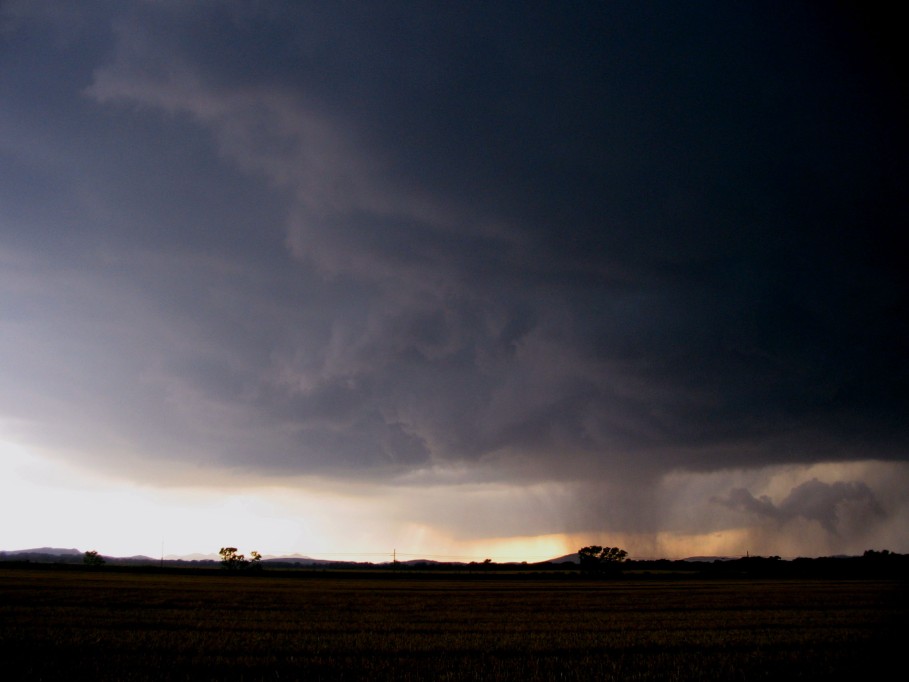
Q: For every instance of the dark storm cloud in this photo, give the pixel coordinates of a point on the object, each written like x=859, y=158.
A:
x=354, y=237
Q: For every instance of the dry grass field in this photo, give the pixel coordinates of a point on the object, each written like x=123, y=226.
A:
x=58, y=624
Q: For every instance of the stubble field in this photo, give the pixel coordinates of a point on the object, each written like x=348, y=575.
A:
x=137, y=626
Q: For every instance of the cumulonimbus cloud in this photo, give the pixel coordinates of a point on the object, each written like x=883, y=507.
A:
x=590, y=261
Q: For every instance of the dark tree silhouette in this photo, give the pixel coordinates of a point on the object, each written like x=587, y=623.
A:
x=596, y=559
x=231, y=560
x=92, y=558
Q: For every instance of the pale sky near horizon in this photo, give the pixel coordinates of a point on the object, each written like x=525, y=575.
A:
x=457, y=280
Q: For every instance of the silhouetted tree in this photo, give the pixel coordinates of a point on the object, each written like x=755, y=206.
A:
x=596, y=559
x=872, y=554
x=92, y=558
x=231, y=560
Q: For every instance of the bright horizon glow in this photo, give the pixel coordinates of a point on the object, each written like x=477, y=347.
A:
x=68, y=507
x=54, y=504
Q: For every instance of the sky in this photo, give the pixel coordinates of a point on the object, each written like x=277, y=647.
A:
x=463, y=280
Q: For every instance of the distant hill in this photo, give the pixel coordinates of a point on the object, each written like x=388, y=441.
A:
x=693, y=559
x=193, y=557
x=871, y=564
x=298, y=559
x=52, y=551
x=269, y=558
x=54, y=555
x=562, y=559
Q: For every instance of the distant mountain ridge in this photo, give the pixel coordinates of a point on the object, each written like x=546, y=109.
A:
x=883, y=561
x=51, y=551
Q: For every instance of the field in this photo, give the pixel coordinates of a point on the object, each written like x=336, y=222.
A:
x=56, y=624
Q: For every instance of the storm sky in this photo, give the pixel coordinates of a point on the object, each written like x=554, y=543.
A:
x=337, y=277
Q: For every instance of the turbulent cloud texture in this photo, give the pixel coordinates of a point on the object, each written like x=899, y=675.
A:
x=501, y=242
x=814, y=500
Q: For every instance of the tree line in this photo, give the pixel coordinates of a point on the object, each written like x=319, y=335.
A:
x=592, y=561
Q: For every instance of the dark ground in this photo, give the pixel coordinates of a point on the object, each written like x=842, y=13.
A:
x=129, y=625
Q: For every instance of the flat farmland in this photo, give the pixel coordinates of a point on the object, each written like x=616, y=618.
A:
x=56, y=624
